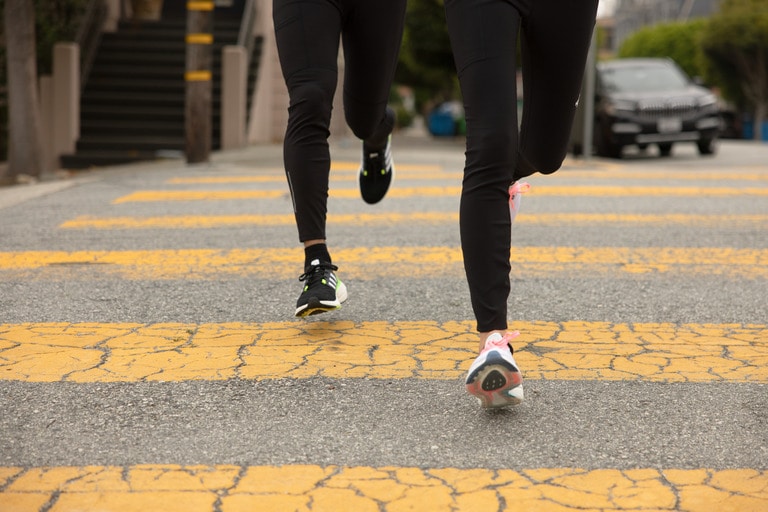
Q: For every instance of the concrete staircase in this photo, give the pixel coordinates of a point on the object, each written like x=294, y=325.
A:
x=132, y=105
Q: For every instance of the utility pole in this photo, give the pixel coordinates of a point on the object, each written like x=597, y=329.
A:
x=198, y=78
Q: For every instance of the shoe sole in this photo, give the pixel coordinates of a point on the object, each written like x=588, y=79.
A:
x=314, y=306
x=496, y=383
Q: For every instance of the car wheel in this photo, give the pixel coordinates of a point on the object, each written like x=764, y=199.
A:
x=707, y=146
x=665, y=149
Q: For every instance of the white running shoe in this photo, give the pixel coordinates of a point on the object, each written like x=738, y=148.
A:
x=494, y=377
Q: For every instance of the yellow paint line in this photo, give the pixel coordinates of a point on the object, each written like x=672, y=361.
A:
x=665, y=175
x=355, y=167
x=436, y=173
x=370, y=219
x=146, y=196
x=405, y=192
x=131, y=352
x=314, y=488
x=369, y=263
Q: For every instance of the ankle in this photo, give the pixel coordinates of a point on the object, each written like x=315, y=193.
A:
x=316, y=251
x=484, y=337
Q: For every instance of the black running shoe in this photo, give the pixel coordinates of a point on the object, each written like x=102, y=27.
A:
x=376, y=173
x=322, y=292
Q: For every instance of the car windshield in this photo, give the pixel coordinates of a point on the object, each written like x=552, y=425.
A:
x=642, y=79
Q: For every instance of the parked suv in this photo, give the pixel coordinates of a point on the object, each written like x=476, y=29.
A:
x=652, y=101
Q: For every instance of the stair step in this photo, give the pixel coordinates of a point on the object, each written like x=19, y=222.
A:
x=106, y=83
x=174, y=98
x=132, y=113
x=137, y=143
x=133, y=99
x=88, y=159
x=91, y=127
x=138, y=72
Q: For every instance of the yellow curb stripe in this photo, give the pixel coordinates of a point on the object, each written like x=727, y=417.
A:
x=364, y=263
x=361, y=488
x=130, y=352
x=405, y=192
x=370, y=219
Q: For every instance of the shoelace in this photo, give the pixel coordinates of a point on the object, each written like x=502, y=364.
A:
x=317, y=271
x=506, y=340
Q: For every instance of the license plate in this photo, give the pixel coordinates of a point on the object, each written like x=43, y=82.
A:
x=670, y=125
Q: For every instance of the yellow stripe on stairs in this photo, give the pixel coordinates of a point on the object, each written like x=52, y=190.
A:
x=232, y=488
x=128, y=352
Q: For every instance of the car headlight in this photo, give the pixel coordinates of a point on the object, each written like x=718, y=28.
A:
x=620, y=107
x=708, y=102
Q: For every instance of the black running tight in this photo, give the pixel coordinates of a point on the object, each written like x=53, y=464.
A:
x=555, y=38
x=308, y=33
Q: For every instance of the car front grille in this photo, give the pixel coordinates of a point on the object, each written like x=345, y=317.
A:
x=656, y=110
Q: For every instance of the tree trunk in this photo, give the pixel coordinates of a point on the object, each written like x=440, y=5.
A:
x=25, y=144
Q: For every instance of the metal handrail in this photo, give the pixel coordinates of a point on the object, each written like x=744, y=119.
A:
x=89, y=35
x=246, y=36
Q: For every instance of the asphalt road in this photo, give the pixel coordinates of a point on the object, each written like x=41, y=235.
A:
x=639, y=287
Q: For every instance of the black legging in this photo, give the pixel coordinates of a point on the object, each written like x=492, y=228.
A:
x=555, y=40
x=308, y=33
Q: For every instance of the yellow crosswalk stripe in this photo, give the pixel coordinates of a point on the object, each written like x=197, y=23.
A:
x=130, y=352
x=438, y=173
x=366, y=263
x=372, y=219
x=233, y=488
x=442, y=191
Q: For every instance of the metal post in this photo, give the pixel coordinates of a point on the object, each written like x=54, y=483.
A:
x=198, y=77
x=589, y=98
x=234, y=90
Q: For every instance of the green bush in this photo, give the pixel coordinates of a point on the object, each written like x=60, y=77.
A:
x=677, y=41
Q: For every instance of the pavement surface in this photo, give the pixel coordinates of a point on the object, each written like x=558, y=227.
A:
x=150, y=360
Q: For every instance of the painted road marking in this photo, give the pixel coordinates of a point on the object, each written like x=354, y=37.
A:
x=369, y=219
x=437, y=173
x=367, y=263
x=132, y=352
x=232, y=488
x=406, y=192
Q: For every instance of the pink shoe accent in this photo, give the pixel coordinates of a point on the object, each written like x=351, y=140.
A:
x=493, y=342
x=516, y=190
